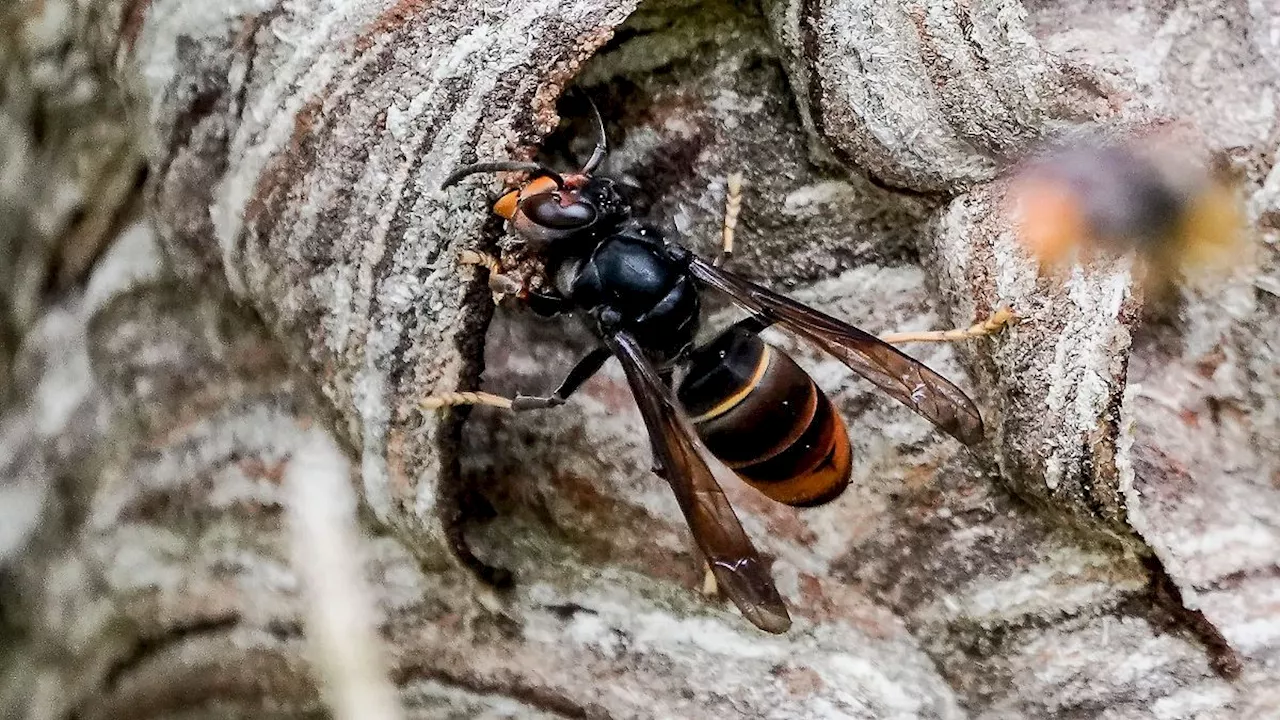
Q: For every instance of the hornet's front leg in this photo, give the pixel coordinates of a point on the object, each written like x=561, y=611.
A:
x=500, y=285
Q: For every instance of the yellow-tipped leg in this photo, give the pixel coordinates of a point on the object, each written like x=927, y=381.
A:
x=454, y=399
x=710, y=588
x=998, y=320
x=500, y=285
x=732, y=206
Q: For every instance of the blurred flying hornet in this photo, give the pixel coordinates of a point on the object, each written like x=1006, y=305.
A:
x=1101, y=198
x=741, y=404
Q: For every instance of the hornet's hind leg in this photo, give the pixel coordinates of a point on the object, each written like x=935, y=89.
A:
x=995, y=322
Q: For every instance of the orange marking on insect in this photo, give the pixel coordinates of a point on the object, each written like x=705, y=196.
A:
x=537, y=186
x=1212, y=231
x=819, y=478
x=506, y=205
x=1052, y=223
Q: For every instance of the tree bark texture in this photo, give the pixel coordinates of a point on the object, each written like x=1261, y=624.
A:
x=1109, y=551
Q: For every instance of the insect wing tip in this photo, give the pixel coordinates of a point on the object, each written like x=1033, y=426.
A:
x=768, y=620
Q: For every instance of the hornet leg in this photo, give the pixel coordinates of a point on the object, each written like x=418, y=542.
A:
x=732, y=206
x=710, y=588
x=580, y=373
x=586, y=367
x=500, y=285
x=997, y=321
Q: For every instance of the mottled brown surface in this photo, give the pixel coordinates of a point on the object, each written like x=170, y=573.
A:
x=331, y=153
x=69, y=155
x=1109, y=552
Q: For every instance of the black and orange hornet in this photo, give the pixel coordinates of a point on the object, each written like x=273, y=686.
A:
x=741, y=404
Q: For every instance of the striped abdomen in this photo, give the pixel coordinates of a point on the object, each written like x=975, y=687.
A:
x=764, y=417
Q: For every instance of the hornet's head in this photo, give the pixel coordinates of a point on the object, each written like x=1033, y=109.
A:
x=544, y=210
x=550, y=207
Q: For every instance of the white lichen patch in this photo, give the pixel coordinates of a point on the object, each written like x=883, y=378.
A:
x=1134, y=663
x=173, y=19
x=851, y=675
x=21, y=502
x=142, y=557
x=810, y=199
x=134, y=258
x=1193, y=703
x=1082, y=380
x=1067, y=581
x=434, y=697
x=64, y=395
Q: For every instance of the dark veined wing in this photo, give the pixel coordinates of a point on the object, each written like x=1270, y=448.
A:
x=908, y=380
x=733, y=559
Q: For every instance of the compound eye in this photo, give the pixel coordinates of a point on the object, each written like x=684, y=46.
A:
x=546, y=210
